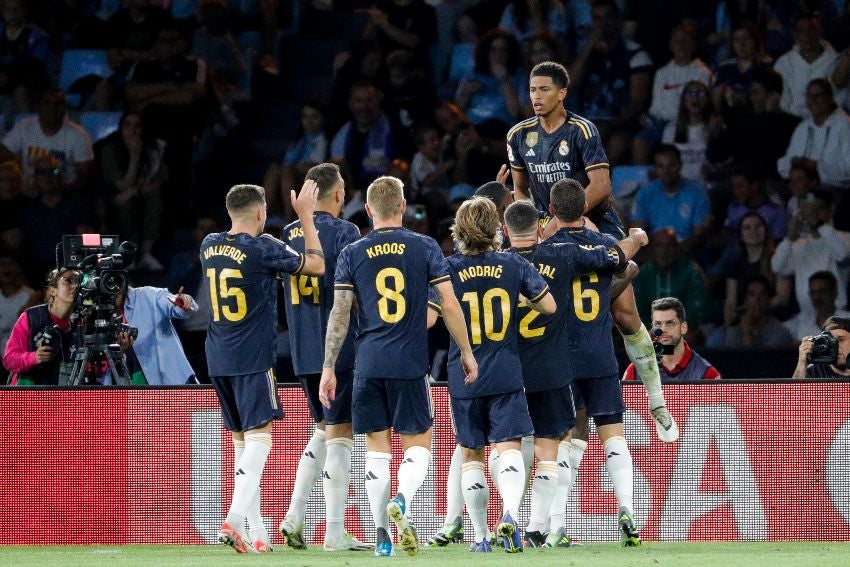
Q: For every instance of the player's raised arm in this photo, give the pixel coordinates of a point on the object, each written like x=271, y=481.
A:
x=636, y=240
x=520, y=179
x=305, y=205
x=456, y=324
x=337, y=331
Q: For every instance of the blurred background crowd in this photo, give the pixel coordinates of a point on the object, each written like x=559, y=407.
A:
x=724, y=122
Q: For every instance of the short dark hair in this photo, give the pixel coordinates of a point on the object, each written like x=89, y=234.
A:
x=668, y=149
x=822, y=83
x=568, y=199
x=809, y=169
x=326, y=176
x=494, y=191
x=837, y=322
x=668, y=303
x=521, y=217
x=826, y=276
x=763, y=280
x=770, y=80
x=243, y=196
x=748, y=170
x=555, y=71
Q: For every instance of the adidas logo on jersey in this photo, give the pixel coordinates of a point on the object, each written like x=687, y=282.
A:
x=530, y=152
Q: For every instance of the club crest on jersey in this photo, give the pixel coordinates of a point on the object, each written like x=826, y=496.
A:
x=531, y=139
x=563, y=148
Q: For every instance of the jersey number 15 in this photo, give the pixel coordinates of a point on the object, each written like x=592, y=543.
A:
x=220, y=290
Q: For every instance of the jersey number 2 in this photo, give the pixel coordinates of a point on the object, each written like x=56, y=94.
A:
x=219, y=289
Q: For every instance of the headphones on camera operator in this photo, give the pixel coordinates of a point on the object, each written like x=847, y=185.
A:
x=95, y=326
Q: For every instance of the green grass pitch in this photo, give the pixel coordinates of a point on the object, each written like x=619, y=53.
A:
x=725, y=554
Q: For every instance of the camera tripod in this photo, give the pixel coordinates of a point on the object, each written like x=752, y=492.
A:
x=95, y=353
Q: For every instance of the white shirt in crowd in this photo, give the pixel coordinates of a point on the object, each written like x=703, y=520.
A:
x=797, y=73
x=670, y=81
x=827, y=144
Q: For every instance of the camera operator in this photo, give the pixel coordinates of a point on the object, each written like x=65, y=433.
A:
x=41, y=338
x=677, y=361
x=157, y=346
x=832, y=344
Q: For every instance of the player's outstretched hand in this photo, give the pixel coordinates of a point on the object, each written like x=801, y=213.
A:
x=640, y=235
x=305, y=203
x=327, y=387
x=470, y=367
x=504, y=172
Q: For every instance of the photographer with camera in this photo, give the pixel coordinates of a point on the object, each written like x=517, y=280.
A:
x=826, y=355
x=41, y=338
x=676, y=359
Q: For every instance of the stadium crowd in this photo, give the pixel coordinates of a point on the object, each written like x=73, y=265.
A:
x=724, y=123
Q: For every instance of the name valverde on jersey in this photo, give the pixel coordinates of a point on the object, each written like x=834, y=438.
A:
x=240, y=280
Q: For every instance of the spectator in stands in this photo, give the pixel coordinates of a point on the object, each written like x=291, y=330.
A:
x=410, y=96
x=672, y=201
x=813, y=245
x=823, y=291
x=25, y=56
x=749, y=196
x=735, y=74
x=157, y=348
x=53, y=213
x=15, y=295
x=462, y=57
x=492, y=92
x=810, y=58
x=803, y=178
x=839, y=328
x=668, y=317
x=822, y=138
x=364, y=145
x=402, y=24
x=667, y=87
x=29, y=362
x=12, y=202
x=51, y=133
x=747, y=255
x=759, y=133
x=132, y=167
x=132, y=33
x=213, y=43
x=612, y=78
x=430, y=171
x=755, y=327
x=671, y=272
x=185, y=272
x=543, y=46
x=310, y=148
x=524, y=18
x=364, y=62
x=696, y=125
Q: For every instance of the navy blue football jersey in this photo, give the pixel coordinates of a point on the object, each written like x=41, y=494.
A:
x=570, y=151
x=390, y=271
x=239, y=277
x=309, y=299
x=545, y=345
x=589, y=343
x=488, y=287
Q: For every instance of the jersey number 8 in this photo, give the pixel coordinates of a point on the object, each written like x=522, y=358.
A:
x=389, y=283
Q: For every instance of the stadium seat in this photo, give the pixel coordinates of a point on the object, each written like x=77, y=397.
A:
x=79, y=63
x=100, y=124
x=625, y=182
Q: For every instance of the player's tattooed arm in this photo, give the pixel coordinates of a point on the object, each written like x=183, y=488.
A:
x=337, y=326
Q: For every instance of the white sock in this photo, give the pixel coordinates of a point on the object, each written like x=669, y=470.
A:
x=566, y=477
x=309, y=470
x=618, y=459
x=476, y=494
x=493, y=466
x=542, y=493
x=511, y=480
x=249, y=471
x=454, y=492
x=335, y=481
x=378, y=486
x=526, y=447
x=642, y=354
x=256, y=525
x=412, y=473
